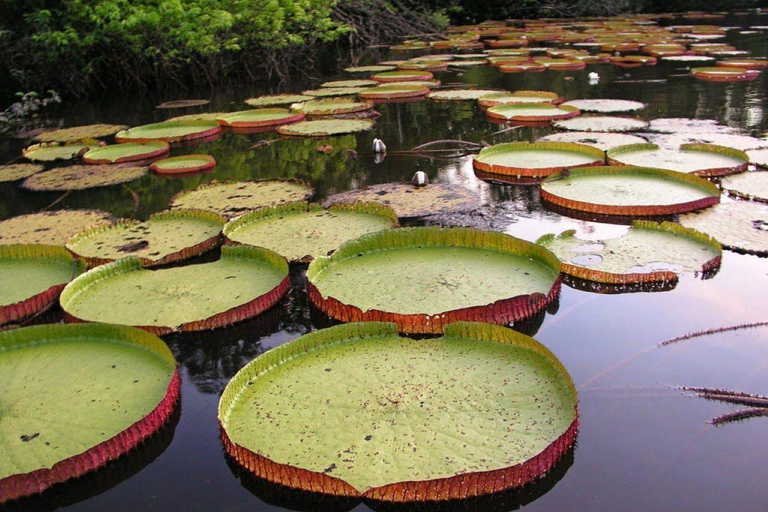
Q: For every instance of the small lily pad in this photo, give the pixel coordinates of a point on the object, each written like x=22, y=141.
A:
x=329, y=107
x=15, y=172
x=606, y=106
x=76, y=133
x=460, y=94
x=183, y=103
x=170, y=131
x=369, y=69
x=326, y=128
x=531, y=112
x=601, y=124
x=81, y=177
x=603, y=141
x=259, y=118
x=329, y=92
x=52, y=151
x=231, y=199
x=275, y=100
x=700, y=159
x=403, y=76
x=50, y=228
x=738, y=225
x=749, y=185
x=536, y=158
x=131, y=152
x=391, y=91
x=350, y=83
x=183, y=164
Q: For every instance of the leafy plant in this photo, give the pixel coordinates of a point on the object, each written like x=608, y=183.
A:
x=25, y=113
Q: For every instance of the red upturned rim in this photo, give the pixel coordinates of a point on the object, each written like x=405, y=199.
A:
x=522, y=68
x=34, y=482
x=413, y=93
x=211, y=132
x=209, y=163
x=716, y=74
x=567, y=113
x=293, y=118
x=633, y=210
x=419, y=76
x=30, y=306
x=566, y=66
x=748, y=64
x=537, y=172
x=132, y=158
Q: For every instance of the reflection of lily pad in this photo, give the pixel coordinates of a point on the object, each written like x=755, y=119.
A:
x=749, y=185
x=603, y=141
x=80, y=177
x=170, y=131
x=52, y=151
x=49, y=228
x=167, y=236
x=698, y=159
x=601, y=124
x=120, y=153
x=14, y=172
x=425, y=278
x=536, y=158
x=408, y=201
x=450, y=441
x=277, y=100
x=332, y=106
x=240, y=285
x=531, y=112
x=302, y=232
x=460, y=94
x=183, y=164
x=235, y=198
x=258, y=118
x=738, y=225
x=126, y=388
x=636, y=191
x=606, y=105
x=75, y=133
x=326, y=128
x=649, y=252
x=33, y=277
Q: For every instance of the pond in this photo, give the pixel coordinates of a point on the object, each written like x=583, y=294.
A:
x=643, y=444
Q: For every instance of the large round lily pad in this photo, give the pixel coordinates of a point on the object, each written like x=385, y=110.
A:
x=724, y=74
x=350, y=83
x=81, y=177
x=601, y=124
x=536, y=158
x=325, y=128
x=394, y=91
x=738, y=225
x=259, y=118
x=52, y=151
x=729, y=140
x=329, y=92
x=606, y=106
x=634, y=191
x=503, y=98
x=235, y=198
x=699, y=159
x=408, y=201
x=460, y=94
x=396, y=425
x=369, y=69
x=132, y=152
x=332, y=106
x=603, y=141
x=167, y=236
x=302, y=232
x=15, y=172
x=75, y=133
x=240, y=285
x=60, y=425
x=531, y=112
x=649, y=252
x=170, y=131
x=275, y=100
x=403, y=76
x=183, y=164
x=33, y=277
x=749, y=185
x=49, y=228
x=425, y=278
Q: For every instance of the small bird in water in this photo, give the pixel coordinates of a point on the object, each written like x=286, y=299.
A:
x=420, y=179
x=379, y=146
x=594, y=78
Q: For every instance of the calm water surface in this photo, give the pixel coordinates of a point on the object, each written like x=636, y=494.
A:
x=643, y=444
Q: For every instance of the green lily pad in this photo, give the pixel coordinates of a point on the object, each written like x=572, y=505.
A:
x=601, y=124
x=503, y=98
x=648, y=252
x=15, y=172
x=240, y=285
x=759, y=157
x=50, y=228
x=425, y=278
x=729, y=140
x=397, y=427
x=350, y=83
x=52, y=151
x=81, y=177
x=409, y=83
x=59, y=427
x=391, y=91
x=536, y=158
x=326, y=128
x=369, y=69
x=409, y=201
x=700, y=159
x=724, y=74
x=531, y=112
x=258, y=118
x=132, y=152
x=76, y=133
x=183, y=103
x=460, y=94
x=235, y=198
x=302, y=232
x=328, y=107
x=170, y=131
x=738, y=225
x=201, y=116
x=603, y=141
x=468, y=63
x=606, y=106
x=32, y=277
x=403, y=76
x=183, y=164
x=166, y=237
x=635, y=191
x=275, y=100
x=328, y=92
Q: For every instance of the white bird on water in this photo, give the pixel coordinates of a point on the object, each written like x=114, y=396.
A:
x=379, y=146
x=420, y=179
x=594, y=78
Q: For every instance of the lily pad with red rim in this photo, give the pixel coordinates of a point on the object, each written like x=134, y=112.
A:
x=369, y=69
x=700, y=159
x=403, y=76
x=759, y=157
x=127, y=387
x=332, y=106
x=52, y=151
x=748, y=185
x=325, y=128
x=243, y=283
x=450, y=441
x=388, y=92
x=461, y=94
x=603, y=141
x=425, y=278
x=725, y=74
x=349, y=83
x=183, y=164
x=536, y=158
x=601, y=124
x=531, y=112
x=259, y=118
x=330, y=92
x=501, y=98
x=741, y=226
x=49, y=227
x=170, y=131
x=81, y=177
x=131, y=152
x=275, y=100
x=606, y=105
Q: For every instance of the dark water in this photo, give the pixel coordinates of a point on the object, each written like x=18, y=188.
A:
x=643, y=444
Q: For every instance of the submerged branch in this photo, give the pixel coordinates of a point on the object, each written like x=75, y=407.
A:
x=716, y=330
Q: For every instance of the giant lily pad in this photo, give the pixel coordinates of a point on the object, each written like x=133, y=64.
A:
x=326, y=128
x=132, y=152
x=183, y=164
x=259, y=118
x=167, y=236
x=503, y=98
x=81, y=177
x=403, y=76
x=729, y=140
x=461, y=94
x=531, y=112
x=15, y=172
x=603, y=141
x=170, y=131
x=397, y=426
x=277, y=100
x=328, y=92
x=52, y=151
x=369, y=69
x=601, y=124
x=738, y=225
x=302, y=232
x=333, y=106
x=425, y=278
x=700, y=159
x=235, y=198
x=240, y=285
x=537, y=158
x=349, y=83
x=649, y=252
x=59, y=426
x=392, y=91
x=634, y=191
x=606, y=106
x=759, y=157
x=33, y=277
x=76, y=133
x=725, y=74
x=749, y=185
x=49, y=228
x=408, y=201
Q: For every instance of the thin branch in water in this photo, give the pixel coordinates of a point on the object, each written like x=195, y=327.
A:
x=716, y=330
x=461, y=143
x=136, y=200
x=505, y=130
x=57, y=201
x=737, y=416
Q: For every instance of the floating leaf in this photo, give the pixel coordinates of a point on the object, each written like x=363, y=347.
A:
x=391, y=91
x=121, y=153
x=166, y=237
x=201, y=116
x=369, y=69
x=302, y=232
x=724, y=74
x=461, y=94
x=183, y=164
x=503, y=98
x=606, y=106
x=403, y=76
x=688, y=58
x=49, y=228
x=737, y=142
x=15, y=172
x=425, y=278
x=738, y=225
x=536, y=158
x=170, y=131
x=240, y=285
x=349, y=83
x=81, y=177
x=744, y=63
x=327, y=92
x=330, y=107
x=76, y=133
x=127, y=387
x=749, y=185
x=52, y=151
x=277, y=100
x=235, y=198
x=601, y=124
x=531, y=112
x=699, y=159
x=681, y=125
x=326, y=128
x=635, y=191
x=183, y=103
x=603, y=141
x=450, y=441
x=759, y=157
x=259, y=118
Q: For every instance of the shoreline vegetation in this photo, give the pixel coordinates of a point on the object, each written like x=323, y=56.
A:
x=79, y=47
